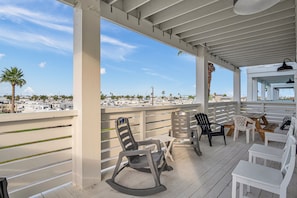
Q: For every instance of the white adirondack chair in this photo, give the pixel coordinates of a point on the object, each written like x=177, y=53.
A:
x=266, y=178
x=241, y=124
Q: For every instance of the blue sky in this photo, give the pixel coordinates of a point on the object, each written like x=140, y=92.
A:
x=36, y=36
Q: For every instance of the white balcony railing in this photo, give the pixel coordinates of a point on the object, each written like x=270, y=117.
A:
x=36, y=148
x=36, y=151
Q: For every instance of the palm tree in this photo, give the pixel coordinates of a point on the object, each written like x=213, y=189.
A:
x=14, y=76
x=211, y=68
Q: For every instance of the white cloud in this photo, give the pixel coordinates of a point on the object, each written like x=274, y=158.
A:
x=152, y=73
x=103, y=71
x=17, y=15
x=115, y=49
x=35, y=40
x=28, y=91
x=112, y=41
x=42, y=64
x=1, y=55
x=33, y=29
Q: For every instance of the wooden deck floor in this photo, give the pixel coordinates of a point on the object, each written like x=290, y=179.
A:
x=206, y=176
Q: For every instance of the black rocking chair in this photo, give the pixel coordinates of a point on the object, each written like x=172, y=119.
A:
x=142, y=160
x=208, y=128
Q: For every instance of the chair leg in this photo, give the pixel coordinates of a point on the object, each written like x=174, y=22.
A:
x=235, y=134
x=233, y=187
x=240, y=190
x=247, y=136
x=209, y=139
x=200, y=136
x=154, y=171
x=225, y=139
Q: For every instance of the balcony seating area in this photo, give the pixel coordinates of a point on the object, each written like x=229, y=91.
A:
x=208, y=175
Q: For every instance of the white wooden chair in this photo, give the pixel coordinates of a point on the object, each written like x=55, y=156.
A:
x=242, y=123
x=271, y=153
x=277, y=137
x=266, y=178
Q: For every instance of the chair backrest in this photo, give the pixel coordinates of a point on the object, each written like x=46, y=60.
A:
x=288, y=161
x=292, y=127
x=240, y=122
x=203, y=122
x=125, y=135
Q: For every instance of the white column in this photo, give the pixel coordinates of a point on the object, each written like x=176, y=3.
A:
x=249, y=88
x=201, y=79
x=269, y=92
x=255, y=90
x=237, y=88
x=275, y=94
x=86, y=94
x=263, y=86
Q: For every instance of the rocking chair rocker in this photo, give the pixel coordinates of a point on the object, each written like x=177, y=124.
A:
x=141, y=160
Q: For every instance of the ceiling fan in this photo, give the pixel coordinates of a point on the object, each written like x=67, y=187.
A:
x=246, y=7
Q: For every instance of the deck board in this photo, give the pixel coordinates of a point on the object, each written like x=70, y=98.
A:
x=206, y=176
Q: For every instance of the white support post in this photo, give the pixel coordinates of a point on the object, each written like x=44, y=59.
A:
x=275, y=94
x=86, y=94
x=236, y=88
x=269, y=92
x=249, y=88
x=263, y=87
x=142, y=125
x=255, y=90
x=201, y=79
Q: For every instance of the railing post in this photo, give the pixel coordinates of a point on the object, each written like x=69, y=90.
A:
x=215, y=112
x=263, y=107
x=142, y=125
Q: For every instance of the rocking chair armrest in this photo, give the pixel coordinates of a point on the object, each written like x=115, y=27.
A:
x=135, y=152
x=150, y=141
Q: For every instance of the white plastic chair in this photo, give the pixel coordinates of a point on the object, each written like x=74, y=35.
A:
x=266, y=178
x=242, y=123
x=277, y=137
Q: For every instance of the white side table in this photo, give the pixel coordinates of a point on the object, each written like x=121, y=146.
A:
x=166, y=139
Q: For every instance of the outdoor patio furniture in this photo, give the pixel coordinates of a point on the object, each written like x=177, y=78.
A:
x=142, y=160
x=3, y=188
x=266, y=178
x=166, y=144
x=182, y=131
x=278, y=137
x=262, y=124
x=270, y=153
x=242, y=123
x=208, y=128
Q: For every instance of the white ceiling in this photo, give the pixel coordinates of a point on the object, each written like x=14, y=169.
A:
x=230, y=39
